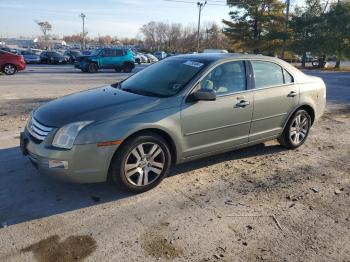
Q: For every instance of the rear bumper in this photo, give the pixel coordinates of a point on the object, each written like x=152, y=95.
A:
x=82, y=164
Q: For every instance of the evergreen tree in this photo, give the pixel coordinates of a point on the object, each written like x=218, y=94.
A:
x=257, y=25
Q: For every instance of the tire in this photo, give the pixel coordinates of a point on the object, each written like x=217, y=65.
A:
x=118, y=69
x=9, y=69
x=126, y=162
x=296, y=131
x=92, y=68
x=127, y=68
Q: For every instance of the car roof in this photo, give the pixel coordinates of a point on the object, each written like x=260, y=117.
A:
x=217, y=57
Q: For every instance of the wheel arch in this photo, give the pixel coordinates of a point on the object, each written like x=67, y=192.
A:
x=167, y=137
x=307, y=107
x=9, y=64
x=129, y=63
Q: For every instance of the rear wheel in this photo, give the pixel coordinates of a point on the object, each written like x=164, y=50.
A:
x=141, y=163
x=9, y=69
x=127, y=68
x=296, y=131
x=92, y=68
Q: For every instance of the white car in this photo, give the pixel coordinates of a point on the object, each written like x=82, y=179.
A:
x=151, y=58
x=220, y=51
x=141, y=58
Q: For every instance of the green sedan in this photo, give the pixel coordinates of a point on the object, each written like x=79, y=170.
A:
x=180, y=109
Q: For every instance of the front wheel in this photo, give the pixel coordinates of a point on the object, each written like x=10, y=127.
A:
x=141, y=163
x=296, y=131
x=93, y=68
x=9, y=69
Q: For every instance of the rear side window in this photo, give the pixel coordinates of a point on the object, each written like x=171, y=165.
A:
x=1, y=53
x=267, y=74
x=288, y=78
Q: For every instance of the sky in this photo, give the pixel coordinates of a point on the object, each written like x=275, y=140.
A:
x=122, y=18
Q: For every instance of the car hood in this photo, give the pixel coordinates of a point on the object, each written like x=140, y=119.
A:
x=100, y=104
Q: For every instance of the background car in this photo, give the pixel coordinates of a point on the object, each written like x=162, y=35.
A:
x=151, y=58
x=72, y=55
x=160, y=55
x=10, y=50
x=30, y=57
x=86, y=52
x=51, y=57
x=140, y=58
x=215, y=51
x=11, y=63
x=107, y=58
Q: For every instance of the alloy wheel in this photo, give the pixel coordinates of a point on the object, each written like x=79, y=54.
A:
x=144, y=164
x=9, y=69
x=299, y=129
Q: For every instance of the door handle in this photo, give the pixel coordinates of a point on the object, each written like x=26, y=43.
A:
x=292, y=94
x=243, y=103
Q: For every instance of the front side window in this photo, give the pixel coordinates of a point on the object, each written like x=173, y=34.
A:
x=108, y=53
x=119, y=52
x=267, y=74
x=165, y=78
x=226, y=78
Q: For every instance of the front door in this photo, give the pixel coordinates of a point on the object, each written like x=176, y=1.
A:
x=209, y=126
x=107, y=57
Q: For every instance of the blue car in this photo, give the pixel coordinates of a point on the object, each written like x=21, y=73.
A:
x=107, y=58
x=30, y=58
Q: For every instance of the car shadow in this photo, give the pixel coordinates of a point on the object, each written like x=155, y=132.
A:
x=26, y=195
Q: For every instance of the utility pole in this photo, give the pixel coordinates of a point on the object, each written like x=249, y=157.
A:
x=82, y=15
x=200, y=7
x=286, y=27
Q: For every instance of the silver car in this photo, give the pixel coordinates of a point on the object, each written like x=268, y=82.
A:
x=182, y=108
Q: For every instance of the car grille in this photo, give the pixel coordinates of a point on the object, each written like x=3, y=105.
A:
x=37, y=130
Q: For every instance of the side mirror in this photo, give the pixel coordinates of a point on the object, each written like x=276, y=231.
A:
x=204, y=94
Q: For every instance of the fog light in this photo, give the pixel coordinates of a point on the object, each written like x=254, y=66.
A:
x=58, y=164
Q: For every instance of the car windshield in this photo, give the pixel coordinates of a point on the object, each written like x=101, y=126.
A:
x=163, y=79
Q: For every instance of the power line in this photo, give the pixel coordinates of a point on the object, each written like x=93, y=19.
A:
x=191, y=2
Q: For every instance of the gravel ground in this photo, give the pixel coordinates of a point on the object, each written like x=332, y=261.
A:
x=262, y=203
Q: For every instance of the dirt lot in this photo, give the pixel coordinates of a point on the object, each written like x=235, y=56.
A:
x=262, y=203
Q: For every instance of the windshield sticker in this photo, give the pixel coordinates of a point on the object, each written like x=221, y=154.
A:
x=193, y=63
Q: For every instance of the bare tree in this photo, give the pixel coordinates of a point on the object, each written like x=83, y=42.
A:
x=45, y=27
x=177, y=38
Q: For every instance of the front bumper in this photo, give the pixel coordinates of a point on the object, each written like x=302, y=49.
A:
x=81, y=164
x=80, y=65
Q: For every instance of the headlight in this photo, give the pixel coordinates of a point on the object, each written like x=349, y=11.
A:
x=66, y=135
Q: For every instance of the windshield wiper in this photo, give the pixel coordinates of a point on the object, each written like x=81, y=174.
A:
x=141, y=92
x=117, y=85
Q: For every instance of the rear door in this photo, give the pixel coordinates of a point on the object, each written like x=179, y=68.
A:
x=209, y=126
x=275, y=96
